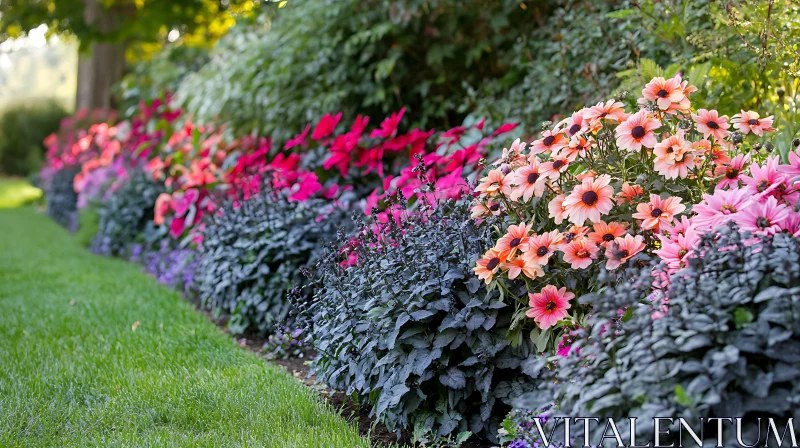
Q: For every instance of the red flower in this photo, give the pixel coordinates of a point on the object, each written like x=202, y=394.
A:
x=326, y=126
x=507, y=127
x=389, y=125
x=299, y=139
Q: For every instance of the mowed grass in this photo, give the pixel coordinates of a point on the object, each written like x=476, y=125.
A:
x=15, y=192
x=95, y=353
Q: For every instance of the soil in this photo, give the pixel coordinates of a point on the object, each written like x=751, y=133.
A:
x=299, y=368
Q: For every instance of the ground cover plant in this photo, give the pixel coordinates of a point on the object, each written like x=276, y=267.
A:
x=402, y=326
x=253, y=253
x=96, y=353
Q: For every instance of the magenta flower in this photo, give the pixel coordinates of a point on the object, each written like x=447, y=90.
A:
x=307, y=185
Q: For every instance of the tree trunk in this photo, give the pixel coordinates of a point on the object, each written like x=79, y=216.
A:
x=103, y=65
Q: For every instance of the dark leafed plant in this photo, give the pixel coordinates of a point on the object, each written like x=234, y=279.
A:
x=409, y=330
x=729, y=344
x=125, y=215
x=252, y=254
x=61, y=197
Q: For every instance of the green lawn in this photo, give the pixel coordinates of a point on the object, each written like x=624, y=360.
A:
x=15, y=192
x=95, y=353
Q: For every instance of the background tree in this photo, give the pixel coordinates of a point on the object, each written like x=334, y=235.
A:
x=107, y=29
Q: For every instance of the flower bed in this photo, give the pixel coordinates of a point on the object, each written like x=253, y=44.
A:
x=439, y=276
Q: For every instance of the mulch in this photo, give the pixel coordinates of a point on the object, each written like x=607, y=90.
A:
x=299, y=368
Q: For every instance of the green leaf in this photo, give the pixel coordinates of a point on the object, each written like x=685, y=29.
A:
x=621, y=14
x=543, y=339
x=742, y=317
x=628, y=314
x=683, y=398
x=462, y=437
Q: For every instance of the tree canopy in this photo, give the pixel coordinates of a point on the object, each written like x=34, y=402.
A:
x=140, y=21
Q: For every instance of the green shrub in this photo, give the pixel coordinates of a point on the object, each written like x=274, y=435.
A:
x=23, y=128
x=359, y=57
x=568, y=59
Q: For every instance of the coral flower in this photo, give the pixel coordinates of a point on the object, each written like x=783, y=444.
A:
x=679, y=168
x=710, y=123
x=623, y=249
x=549, y=306
x=683, y=106
x=522, y=266
x=513, y=156
x=516, y=239
x=556, y=209
x=658, y=211
x=719, y=208
x=586, y=175
x=575, y=233
x=590, y=200
x=718, y=154
x=637, y=131
x=495, y=182
x=664, y=92
x=163, y=204
x=628, y=193
x=529, y=181
x=749, y=121
x=555, y=167
x=480, y=210
x=542, y=247
x=731, y=173
x=672, y=150
x=578, y=145
x=488, y=266
x=575, y=124
x=551, y=141
x=763, y=218
x=580, y=253
x=605, y=234
x=612, y=111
